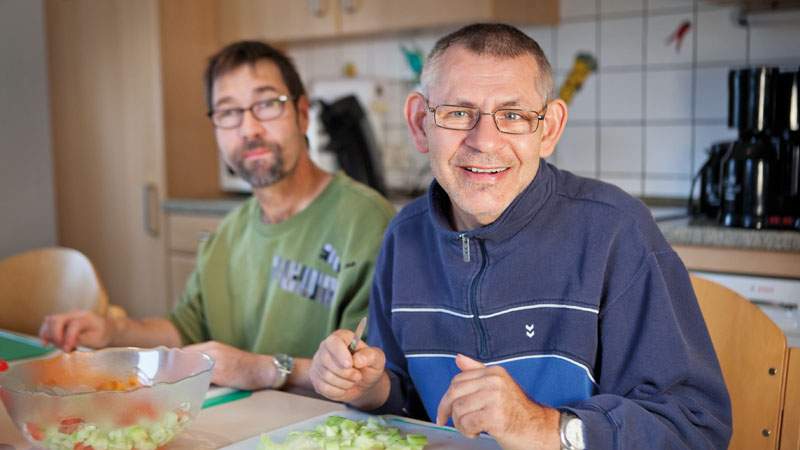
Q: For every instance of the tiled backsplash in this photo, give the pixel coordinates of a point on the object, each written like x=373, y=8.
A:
x=642, y=121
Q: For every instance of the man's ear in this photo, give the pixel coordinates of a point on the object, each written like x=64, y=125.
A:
x=555, y=120
x=415, y=111
x=302, y=106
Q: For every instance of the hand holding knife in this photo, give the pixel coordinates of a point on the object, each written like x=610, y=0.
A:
x=359, y=332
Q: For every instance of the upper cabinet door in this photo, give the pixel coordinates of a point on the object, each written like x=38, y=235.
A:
x=277, y=20
x=372, y=16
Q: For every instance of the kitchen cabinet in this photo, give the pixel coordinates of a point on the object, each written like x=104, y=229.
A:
x=185, y=232
x=740, y=261
x=280, y=21
x=129, y=130
x=105, y=107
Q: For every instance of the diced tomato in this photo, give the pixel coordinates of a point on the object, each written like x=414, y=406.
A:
x=34, y=431
x=79, y=446
x=3, y=365
x=69, y=425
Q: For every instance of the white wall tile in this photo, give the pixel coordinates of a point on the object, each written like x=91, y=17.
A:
x=621, y=149
x=669, y=94
x=544, y=37
x=359, y=53
x=577, y=149
x=719, y=38
x=325, y=61
x=673, y=188
x=621, y=6
x=659, y=30
x=775, y=35
x=631, y=185
x=620, y=96
x=668, y=150
x=390, y=62
x=621, y=42
x=301, y=56
x=704, y=136
x=711, y=93
x=573, y=38
x=577, y=8
x=663, y=5
x=584, y=103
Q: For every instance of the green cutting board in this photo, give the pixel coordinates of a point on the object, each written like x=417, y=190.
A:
x=14, y=346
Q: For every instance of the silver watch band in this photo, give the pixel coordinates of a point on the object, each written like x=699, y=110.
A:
x=284, y=365
x=568, y=425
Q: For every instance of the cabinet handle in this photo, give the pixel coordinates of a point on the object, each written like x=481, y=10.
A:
x=349, y=6
x=317, y=8
x=150, y=206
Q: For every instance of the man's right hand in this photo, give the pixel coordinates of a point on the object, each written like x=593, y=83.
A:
x=358, y=379
x=68, y=330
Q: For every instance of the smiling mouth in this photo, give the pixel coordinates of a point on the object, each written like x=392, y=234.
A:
x=485, y=170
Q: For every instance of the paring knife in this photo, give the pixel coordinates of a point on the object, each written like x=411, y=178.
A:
x=359, y=332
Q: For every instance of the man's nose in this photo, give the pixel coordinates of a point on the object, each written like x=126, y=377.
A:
x=251, y=126
x=484, y=136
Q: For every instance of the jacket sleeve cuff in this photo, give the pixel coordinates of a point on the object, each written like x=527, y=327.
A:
x=598, y=427
x=397, y=402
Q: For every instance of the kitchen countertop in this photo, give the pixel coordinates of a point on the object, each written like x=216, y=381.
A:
x=677, y=227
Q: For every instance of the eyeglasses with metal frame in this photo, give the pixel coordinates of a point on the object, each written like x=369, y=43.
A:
x=506, y=120
x=262, y=110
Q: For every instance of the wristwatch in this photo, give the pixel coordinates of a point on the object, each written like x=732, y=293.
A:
x=284, y=364
x=571, y=431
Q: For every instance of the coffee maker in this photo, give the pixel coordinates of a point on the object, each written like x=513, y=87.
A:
x=785, y=208
x=748, y=169
x=759, y=173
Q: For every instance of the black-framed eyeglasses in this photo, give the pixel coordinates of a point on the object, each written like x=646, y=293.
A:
x=507, y=120
x=264, y=110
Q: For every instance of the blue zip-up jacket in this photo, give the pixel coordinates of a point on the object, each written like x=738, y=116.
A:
x=574, y=291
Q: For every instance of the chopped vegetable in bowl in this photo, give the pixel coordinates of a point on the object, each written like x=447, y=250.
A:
x=114, y=399
x=74, y=434
x=339, y=433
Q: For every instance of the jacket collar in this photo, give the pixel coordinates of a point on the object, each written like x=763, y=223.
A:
x=518, y=214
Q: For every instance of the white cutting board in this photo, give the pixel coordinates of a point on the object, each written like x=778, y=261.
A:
x=438, y=437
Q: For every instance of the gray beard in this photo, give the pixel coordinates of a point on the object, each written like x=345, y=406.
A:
x=261, y=174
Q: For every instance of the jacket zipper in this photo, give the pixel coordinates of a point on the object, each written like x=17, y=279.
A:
x=464, y=246
x=473, y=295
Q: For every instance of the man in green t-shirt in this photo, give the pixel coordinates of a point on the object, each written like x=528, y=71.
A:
x=285, y=269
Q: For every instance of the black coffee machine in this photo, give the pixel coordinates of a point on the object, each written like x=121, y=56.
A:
x=754, y=182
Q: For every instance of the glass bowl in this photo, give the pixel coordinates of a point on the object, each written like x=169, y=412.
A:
x=116, y=398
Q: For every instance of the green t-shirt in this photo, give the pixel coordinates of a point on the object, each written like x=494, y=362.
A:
x=283, y=288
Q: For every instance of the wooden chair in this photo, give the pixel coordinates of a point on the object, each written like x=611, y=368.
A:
x=754, y=357
x=39, y=282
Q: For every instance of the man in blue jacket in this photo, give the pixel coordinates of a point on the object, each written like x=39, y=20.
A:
x=516, y=299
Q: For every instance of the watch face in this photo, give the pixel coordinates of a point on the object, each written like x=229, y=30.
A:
x=574, y=433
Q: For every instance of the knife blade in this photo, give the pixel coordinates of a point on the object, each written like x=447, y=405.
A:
x=359, y=332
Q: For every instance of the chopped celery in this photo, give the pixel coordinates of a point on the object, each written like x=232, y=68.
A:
x=145, y=435
x=340, y=433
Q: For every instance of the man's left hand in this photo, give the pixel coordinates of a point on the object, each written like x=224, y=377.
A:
x=487, y=399
x=237, y=368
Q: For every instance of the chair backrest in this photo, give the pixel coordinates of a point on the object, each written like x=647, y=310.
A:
x=753, y=355
x=45, y=281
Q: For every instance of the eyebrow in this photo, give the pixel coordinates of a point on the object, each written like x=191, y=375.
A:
x=509, y=103
x=259, y=90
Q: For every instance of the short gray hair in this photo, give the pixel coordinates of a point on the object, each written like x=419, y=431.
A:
x=493, y=39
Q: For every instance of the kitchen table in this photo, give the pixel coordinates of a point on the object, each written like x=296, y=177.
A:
x=220, y=425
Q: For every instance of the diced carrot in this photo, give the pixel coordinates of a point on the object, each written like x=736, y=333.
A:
x=34, y=431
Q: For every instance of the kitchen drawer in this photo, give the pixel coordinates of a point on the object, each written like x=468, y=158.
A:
x=180, y=268
x=187, y=231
